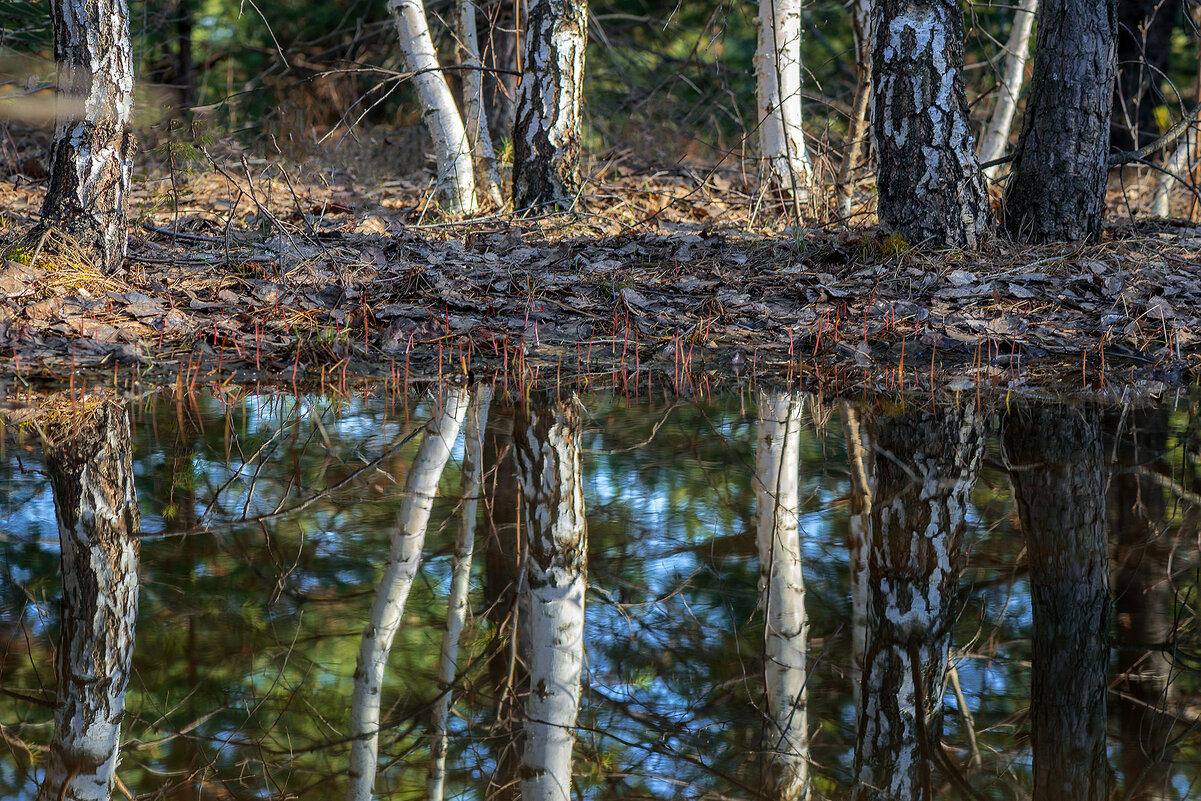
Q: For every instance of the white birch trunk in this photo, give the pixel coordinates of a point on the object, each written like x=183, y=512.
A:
x=546, y=134
x=456, y=183
x=861, y=463
x=1013, y=73
x=778, y=68
x=456, y=608
x=1181, y=160
x=782, y=589
x=548, y=457
x=861, y=22
x=88, y=458
x=404, y=558
x=90, y=165
x=475, y=119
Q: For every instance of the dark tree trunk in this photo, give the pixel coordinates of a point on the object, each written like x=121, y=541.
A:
x=1144, y=49
x=1057, y=187
x=185, y=78
x=1054, y=460
x=90, y=464
x=929, y=183
x=1143, y=602
x=926, y=466
x=83, y=214
x=546, y=135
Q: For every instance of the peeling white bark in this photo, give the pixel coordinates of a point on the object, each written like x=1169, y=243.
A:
x=929, y=183
x=456, y=182
x=90, y=163
x=546, y=136
x=456, y=608
x=475, y=119
x=782, y=590
x=552, y=598
x=1017, y=51
x=404, y=558
x=90, y=464
x=778, y=68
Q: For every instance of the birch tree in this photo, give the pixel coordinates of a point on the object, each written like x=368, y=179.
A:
x=1053, y=455
x=782, y=593
x=546, y=136
x=455, y=182
x=83, y=213
x=475, y=118
x=929, y=183
x=90, y=465
x=778, y=70
x=1057, y=186
x=547, y=440
x=456, y=607
x=926, y=466
x=404, y=558
x=1013, y=76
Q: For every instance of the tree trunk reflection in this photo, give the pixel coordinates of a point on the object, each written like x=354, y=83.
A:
x=926, y=464
x=1053, y=455
x=404, y=558
x=1143, y=602
x=89, y=461
x=547, y=441
x=782, y=593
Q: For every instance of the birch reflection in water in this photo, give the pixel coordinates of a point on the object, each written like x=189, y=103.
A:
x=456, y=605
x=547, y=439
x=782, y=593
x=404, y=557
x=926, y=465
x=88, y=457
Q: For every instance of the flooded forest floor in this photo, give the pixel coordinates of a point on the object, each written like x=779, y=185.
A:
x=248, y=271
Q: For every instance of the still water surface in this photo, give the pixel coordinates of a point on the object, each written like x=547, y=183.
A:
x=761, y=595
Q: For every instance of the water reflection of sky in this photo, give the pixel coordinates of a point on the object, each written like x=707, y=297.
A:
x=250, y=622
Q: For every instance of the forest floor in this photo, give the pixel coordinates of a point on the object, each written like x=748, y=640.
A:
x=247, y=271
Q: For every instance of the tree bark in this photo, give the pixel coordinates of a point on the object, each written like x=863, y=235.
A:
x=83, y=214
x=456, y=182
x=456, y=607
x=475, y=119
x=408, y=538
x=782, y=593
x=1013, y=76
x=778, y=71
x=1053, y=455
x=548, y=458
x=1057, y=186
x=546, y=136
x=926, y=466
x=929, y=183
x=90, y=464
